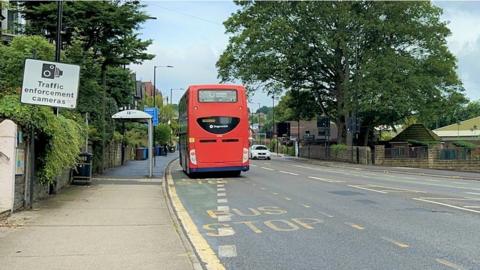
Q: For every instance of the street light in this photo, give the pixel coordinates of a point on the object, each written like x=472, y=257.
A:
x=171, y=92
x=155, y=96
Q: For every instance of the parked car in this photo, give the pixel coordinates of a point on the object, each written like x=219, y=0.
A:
x=258, y=151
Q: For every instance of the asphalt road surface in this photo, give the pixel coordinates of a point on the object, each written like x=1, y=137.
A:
x=288, y=214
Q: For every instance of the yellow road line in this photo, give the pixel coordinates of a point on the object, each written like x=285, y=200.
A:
x=205, y=252
x=449, y=264
x=397, y=243
x=355, y=226
x=447, y=205
x=369, y=189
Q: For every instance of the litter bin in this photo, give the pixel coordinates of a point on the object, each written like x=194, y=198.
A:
x=83, y=170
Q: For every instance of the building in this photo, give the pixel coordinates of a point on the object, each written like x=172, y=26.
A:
x=468, y=130
x=12, y=23
x=310, y=130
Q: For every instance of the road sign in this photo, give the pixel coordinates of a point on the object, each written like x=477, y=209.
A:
x=50, y=84
x=153, y=111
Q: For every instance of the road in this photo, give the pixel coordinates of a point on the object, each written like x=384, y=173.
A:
x=288, y=214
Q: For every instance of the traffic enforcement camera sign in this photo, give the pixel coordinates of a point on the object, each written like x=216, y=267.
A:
x=50, y=84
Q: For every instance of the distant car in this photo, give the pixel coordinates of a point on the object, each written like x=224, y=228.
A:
x=258, y=151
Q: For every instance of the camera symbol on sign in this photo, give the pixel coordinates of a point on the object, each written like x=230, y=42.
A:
x=50, y=71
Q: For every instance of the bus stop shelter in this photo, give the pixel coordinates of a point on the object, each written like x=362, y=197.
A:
x=139, y=116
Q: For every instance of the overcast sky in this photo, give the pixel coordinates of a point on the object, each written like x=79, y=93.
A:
x=189, y=35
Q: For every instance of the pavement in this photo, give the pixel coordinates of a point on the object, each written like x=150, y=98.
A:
x=120, y=221
x=292, y=214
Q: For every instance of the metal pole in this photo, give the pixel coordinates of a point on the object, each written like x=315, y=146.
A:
x=86, y=137
x=171, y=93
x=58, y=41
x=150, y=148
x=154, y=103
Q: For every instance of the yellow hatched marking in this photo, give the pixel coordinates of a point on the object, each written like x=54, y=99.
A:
x=205, y=252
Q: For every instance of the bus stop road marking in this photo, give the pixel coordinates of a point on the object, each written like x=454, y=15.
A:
x=447, y=205
x=227, y=251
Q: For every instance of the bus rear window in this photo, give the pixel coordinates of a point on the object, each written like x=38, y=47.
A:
x=221, y=96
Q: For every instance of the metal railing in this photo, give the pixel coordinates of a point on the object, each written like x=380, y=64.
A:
x=406, y=152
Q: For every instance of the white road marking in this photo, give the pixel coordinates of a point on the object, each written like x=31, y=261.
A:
x=472, y=206
x=262, y=188
x=225, y=231
x=361, y=187
x=449, y=264
x=355, y=226
x=223, y=208
x=473, y=193
x=224, y=218
x=266, y=168
x=288, y=199
x=291, y=173
x=253, y=165
x=448, y=205
x=220, y=189
x=274, y=193
x=222, y=194
x=306, y=205
x=222, y=201
x=220, y=185
x=397, y=243
x=227, y=251
x=325, y=180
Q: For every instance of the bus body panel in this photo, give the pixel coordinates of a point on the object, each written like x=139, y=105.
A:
x=217, y=131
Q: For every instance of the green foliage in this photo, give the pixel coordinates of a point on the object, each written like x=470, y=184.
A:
x=383, y=60
x=163, y=134
x=65, y=136
x=137, y=135
x=12, y=59
x=337, y=148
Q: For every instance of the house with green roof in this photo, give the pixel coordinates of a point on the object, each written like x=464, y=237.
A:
x=468, y=130
x=415, y=134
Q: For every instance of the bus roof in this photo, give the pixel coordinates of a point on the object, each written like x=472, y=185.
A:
x=216, y=86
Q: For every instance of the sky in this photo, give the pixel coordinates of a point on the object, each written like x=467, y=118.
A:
x=189, y=35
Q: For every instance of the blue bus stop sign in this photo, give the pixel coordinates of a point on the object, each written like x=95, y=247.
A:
x=153, y=111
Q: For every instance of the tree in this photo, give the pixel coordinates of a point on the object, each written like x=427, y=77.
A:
x=105, y=30
x=380, y=61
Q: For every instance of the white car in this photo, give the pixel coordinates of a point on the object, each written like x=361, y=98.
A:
x=258, y=151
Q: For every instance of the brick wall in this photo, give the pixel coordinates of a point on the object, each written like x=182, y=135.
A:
x=319, y=152
x=431, y=162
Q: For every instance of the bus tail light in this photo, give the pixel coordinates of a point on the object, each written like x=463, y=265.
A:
x=193, y=157
x=245, y=155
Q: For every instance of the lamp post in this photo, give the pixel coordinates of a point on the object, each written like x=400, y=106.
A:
x=171, y=93
x=155, y=97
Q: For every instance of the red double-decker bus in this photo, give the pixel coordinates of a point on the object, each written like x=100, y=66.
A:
x=214, y=129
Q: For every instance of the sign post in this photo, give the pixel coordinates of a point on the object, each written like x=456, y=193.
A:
x=50, y=84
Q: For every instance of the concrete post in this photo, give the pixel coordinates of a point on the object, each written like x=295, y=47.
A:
x=8, y=142
x=379, y=154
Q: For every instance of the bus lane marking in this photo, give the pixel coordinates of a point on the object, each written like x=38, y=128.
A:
x=223, y=208
x=221, y=194
x=449, y=264
x=205, y=252
x=397, y=243
x=221, y=189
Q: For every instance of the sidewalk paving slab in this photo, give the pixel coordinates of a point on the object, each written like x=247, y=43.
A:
x=110, y=224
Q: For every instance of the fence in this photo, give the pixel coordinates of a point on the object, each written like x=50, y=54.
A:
x=355, y=154
x=406, y=152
